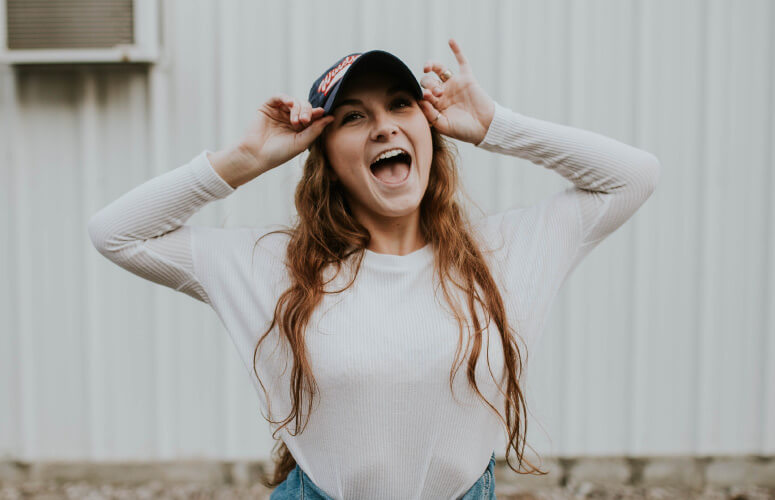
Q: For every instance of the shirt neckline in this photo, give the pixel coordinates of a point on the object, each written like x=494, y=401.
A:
x=414, y=260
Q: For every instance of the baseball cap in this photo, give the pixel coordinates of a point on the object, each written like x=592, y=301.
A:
x=325, y=89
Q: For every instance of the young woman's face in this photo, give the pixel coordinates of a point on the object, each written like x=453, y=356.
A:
x=375, y=114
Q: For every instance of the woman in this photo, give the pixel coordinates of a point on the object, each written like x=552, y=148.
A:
x=383, y=289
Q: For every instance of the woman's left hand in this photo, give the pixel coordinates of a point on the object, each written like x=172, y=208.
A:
x=458, y=108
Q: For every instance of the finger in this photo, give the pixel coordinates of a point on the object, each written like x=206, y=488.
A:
x=430, y=98
x=294, y=114
x=432, y=83
x=315, y=129
x=317, y=119
x=275, y=100
x=279, y=101
x=461, y=59
x=295, y=109
x=317, y=113
x=429, y=111
x=305, y=112
x=435, y=67
x=287, y=101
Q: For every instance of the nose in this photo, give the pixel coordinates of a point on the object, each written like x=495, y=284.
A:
x=384, y=126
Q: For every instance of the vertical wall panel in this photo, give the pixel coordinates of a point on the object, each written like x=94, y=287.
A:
x=10, y=343
x=768, y=353
x=661, y=342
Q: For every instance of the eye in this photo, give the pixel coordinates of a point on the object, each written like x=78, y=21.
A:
x=402, y=100
x=349, y=115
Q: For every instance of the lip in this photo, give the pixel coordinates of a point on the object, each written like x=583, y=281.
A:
x=394, y=184
x=389, y=149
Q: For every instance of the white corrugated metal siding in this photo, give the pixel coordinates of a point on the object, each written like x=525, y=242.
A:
x=662, y=342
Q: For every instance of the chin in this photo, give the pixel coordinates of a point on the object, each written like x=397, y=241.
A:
x=399, y=210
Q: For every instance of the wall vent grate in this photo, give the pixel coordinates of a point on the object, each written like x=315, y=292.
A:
x=69, y=24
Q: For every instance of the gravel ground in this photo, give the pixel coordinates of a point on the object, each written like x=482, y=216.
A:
x=159, y=490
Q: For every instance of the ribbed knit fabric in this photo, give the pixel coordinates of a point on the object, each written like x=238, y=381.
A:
x=385, y=424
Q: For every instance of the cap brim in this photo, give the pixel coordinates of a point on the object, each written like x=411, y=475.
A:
x=383, y=62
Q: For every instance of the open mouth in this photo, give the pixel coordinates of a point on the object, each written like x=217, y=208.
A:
x=393, y=169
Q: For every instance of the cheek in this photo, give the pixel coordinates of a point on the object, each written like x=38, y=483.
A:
x=426, y=142
x=341, y=155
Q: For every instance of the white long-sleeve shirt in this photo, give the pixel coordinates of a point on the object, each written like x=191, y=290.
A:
x=385, y=424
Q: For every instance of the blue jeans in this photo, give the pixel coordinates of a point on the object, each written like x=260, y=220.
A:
x=299, y=486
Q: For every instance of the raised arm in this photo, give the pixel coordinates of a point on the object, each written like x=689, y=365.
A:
x=143, y=231
x=611, y=179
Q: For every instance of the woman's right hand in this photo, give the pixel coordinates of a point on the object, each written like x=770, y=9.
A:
x=283, y=128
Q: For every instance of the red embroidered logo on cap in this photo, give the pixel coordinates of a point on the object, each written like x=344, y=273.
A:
x=336, y=74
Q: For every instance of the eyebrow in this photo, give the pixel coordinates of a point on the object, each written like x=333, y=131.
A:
x=392, y=90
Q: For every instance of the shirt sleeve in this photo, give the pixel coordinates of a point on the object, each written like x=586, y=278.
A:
x=144, y=230
x=543, y=243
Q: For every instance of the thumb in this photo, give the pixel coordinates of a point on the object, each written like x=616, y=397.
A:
x=309, y=134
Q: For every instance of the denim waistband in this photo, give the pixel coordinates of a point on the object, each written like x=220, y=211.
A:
x=298, y=485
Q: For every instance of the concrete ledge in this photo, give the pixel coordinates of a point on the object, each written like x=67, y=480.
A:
x=553, y=478
x=248, y=473
x=741, y=471
x=685, y=472
x=13, y=472
x=690, y=473
x=131, y=472
x=693, y=473
x=603, y=471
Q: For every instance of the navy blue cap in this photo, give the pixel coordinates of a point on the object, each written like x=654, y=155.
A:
x=325, y=89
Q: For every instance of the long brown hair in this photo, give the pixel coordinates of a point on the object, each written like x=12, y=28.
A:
x=325, y=233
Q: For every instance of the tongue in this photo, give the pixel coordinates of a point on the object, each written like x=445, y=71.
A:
x=390, y=171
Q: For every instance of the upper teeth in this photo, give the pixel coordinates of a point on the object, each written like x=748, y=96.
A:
x=388, y=154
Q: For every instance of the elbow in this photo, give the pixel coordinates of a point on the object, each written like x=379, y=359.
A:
x=650, y=169
x=107, y=237
x=97, y=233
